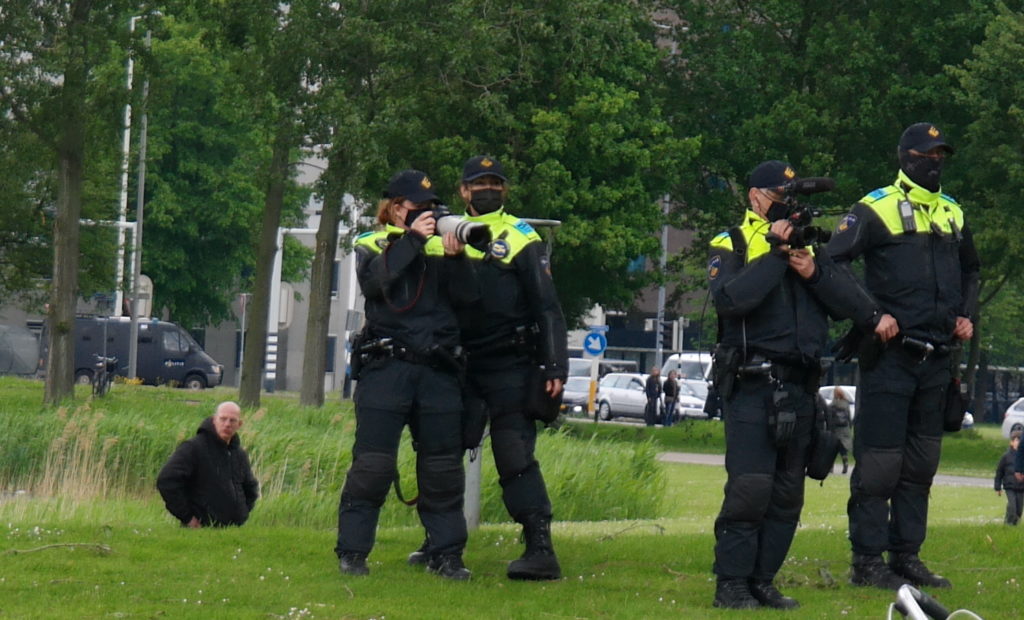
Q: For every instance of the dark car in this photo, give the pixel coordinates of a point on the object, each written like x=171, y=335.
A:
x=574, y=395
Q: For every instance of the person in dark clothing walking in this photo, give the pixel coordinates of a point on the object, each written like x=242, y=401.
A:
x=839, y=422
x=917, y=303
x=208, y=480
x=409, y=369
x=1007, y=481
x=515, y=340
x=773, y=301
x=653, y=391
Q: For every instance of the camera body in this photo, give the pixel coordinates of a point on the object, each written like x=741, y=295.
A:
x=474, y=234
x=801, y=216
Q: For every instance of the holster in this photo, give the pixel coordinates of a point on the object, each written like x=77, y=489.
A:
x=356, y=341
x=781, y=417
x=474, y=418
x=539, y=404
x=824, y=447
x=955, y=406
x=871, y=349
x=726, y=363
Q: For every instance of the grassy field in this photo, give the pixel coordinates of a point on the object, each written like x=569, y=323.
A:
x=118, y=555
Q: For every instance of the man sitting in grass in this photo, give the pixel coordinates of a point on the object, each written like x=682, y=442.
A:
x=208, y=480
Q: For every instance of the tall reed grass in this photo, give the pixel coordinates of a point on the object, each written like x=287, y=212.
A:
x=112, y=449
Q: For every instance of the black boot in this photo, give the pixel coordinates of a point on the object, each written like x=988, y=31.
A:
x=449, y=566
x=538, y=562
x=419, y=557
x=352, y=563
x=910, y=566
x=734, y=594
x=870, y=570
x=769, y=596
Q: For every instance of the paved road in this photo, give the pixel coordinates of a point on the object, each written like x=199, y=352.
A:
x=719, y=460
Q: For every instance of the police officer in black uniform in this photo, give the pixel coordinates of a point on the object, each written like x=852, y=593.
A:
x=515, y=333
x=921, y=275
x=412, y=281
x=774, y=301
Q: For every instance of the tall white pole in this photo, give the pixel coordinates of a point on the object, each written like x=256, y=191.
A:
x=133, y=339
x=122, y=210
x=659, y=350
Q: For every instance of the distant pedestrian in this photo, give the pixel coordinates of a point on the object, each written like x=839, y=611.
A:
x=653, y=391
x=1007, y=481
x=671, y=392
x=208, y=480
x=839, y=422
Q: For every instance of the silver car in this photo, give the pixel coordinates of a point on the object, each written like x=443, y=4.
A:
x=621, y=394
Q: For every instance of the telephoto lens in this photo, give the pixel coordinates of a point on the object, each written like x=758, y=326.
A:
x=471, y=233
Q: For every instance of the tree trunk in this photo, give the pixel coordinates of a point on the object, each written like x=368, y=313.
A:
x=256, y=330
x=315, y=353
x=60, y=363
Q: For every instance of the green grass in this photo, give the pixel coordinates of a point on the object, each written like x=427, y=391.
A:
x=654, y=568
x=634, y=536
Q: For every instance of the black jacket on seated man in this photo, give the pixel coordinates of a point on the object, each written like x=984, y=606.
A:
x=209, y=479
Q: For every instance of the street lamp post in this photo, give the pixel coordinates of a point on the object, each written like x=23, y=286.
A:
x=122, y=203
x=133, y=338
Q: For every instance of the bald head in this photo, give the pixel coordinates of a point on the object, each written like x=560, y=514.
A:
x=227, y=419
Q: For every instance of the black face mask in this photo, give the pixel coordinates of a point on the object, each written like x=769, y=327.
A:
x=411, y=216
x=925, y=171
x=486, y=200
x=778, y=211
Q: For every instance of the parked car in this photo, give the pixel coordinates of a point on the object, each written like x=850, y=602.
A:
x=574, y=395
x=690, y=402
x=827, y=391
x=623, y=395
x=688, y=365
x=1013, y=418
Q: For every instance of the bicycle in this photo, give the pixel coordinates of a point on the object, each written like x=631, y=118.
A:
x=103, y=374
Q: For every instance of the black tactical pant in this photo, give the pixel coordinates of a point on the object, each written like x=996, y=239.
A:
x=513, y=437
x=390, y=395
x=764, y=493
x=896, y=441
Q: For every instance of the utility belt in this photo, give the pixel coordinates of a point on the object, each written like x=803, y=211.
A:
x=523, y=341
x=923, y=349
x=376, y=349
x=759, y=366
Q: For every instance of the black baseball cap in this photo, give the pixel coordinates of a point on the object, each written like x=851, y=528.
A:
x=772, y=173
x=923, y=137
x=480, y=166
x=412, y=185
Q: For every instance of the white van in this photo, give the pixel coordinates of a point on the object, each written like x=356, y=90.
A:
x=688, y=365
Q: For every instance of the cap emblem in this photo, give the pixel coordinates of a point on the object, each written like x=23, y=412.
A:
x=425, y=183
x=789, y=173
x=486, y=163
x=933, y=132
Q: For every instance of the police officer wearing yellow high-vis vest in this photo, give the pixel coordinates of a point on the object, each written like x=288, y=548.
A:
x=921, y=277
x=773, y=301
x=516, y=345
x=408, y=371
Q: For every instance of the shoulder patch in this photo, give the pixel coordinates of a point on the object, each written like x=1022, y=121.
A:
x=849, y=221
x=950, y=199
x=714, y=267
x=881, y=192
x=722, y=240
x=523, y=227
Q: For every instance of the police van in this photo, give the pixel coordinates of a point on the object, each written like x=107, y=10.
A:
x=166, y=353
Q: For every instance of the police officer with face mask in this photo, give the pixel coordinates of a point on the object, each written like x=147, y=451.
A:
x=515, y=340
x=409, y=367
x=773, y=301
x=921, y=276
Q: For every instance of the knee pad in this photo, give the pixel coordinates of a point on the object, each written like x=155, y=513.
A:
x=442, y=482
x=747, y=497
x=370, y=477
x=879, y=471
x=921, y=459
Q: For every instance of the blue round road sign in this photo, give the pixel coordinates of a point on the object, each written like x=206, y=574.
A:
x=595, y=343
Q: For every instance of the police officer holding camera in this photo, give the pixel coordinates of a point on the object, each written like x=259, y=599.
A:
x=921, y=274
x=409, y=373
x=773, y=301
x=516, y=344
